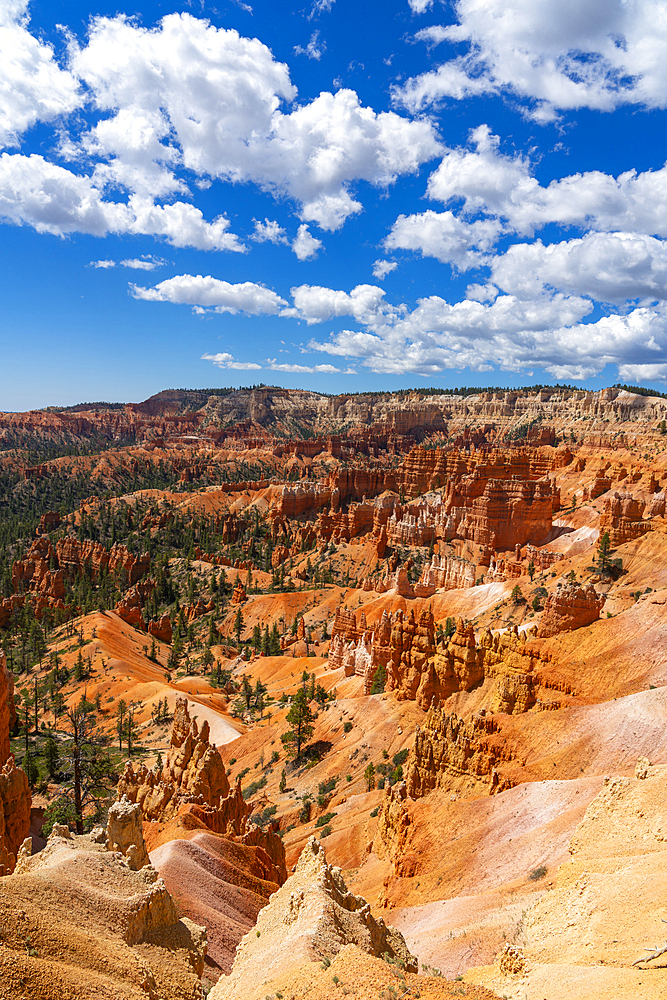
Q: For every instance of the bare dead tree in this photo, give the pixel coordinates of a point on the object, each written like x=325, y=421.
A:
x=655, y=951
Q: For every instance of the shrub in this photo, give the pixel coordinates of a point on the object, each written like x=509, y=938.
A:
x=324, y=820
x=304, y=812
x=537, y=873
x=325, y=832
x=254, y=787
x=347, y=728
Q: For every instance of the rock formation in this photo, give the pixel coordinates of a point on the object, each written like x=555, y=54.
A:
x=623, y=518
x=160, y=628
x=570, y=607
x=446, y=747
x=193, y=782
x=15, y=798
x=78, y=918
x=125, y=833
x=445, y=572
x=310, y=918
x=192, y=773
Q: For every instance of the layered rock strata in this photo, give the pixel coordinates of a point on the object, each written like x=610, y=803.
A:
x=446, y=747
x=77, y=921
x=193, y=782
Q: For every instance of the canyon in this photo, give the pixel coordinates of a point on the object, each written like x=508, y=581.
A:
x=469, y=595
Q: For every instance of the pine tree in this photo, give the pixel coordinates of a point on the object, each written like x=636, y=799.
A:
x=238, y=625
x=274, y=643
x=87, y=760
x=300, y=719
x=120, y=721
x=51, y=756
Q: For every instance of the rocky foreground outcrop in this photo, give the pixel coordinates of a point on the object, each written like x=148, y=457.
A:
x=15, y=798
x=78, y=922
x=311, y=918
x=604, y=914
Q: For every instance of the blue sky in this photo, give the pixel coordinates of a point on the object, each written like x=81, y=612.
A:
x=331, y=195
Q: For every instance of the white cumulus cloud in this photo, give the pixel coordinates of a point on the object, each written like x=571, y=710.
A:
x=305, y=245
x=488, y=181
x=553, y=54
x=381, y=268
x=187, y=95
x=268, y=232
x=54, y=200
x=316, y=303
x=198, y=290
x=444, y=236
x=33, y=87
x=608, y=267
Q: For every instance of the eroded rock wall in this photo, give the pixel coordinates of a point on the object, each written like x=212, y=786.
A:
x=570, y=607
x=15, y=797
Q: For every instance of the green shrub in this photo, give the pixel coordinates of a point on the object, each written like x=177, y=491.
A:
x=324, y=820
x=254, y=787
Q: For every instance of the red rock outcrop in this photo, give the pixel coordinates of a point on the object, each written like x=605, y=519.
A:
x=601, y=484
x=239, y=595
x=193, y=772
x=15, y=798
x=129, y=609
x=193, y=611
x=419, y=671
x=500, y=513
x=570, y=607
x=72, y=556
x=446, y=747
x=161, y=628
x=623, y=519
x=48, y=522
x=429, y=469
x=37, y=573
x=412, y=648
x=445, y=572
x=542, y=558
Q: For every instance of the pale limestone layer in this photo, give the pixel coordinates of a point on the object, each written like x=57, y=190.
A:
x=583, y=936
